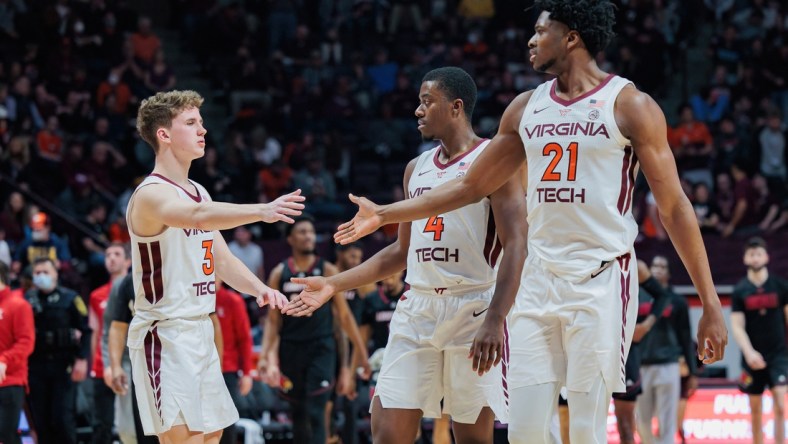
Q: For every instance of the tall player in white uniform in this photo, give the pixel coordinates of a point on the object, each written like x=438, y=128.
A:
x=453, y=299
x=176, y=255
x=581, y=135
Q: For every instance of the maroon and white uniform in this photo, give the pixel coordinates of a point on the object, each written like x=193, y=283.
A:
x=576, y=308
x=451, y=272
x=175, y=364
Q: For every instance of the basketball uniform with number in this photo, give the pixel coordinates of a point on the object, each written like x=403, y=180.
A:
x=577, y=301
x=175, y=364
x=451, y=273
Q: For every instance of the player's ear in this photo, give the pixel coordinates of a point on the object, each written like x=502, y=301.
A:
x=456, y=108
x=573, y=38
x=163, y=135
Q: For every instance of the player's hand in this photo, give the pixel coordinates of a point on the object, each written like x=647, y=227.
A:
x=271, y=375
x=317, y=291
x=120, y=382
x=283, y=207
x=365, y=222
x=79, y=371
x=755, y=360
x=245, y=385
x=712, y=335
x=346, y=385
x=273, y=298
x=692, y=386
x=487, y=348
x=3, y=368
x=364, y=368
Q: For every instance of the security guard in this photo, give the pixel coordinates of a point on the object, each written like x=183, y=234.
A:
x=60, y=356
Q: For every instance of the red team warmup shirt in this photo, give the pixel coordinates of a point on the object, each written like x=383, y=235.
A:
x=17, y=337
x=236, y=332
x=98, y=303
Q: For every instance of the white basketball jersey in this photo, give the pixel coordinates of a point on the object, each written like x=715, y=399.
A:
x=456, y=252
x=173, y=271
x=581, y=171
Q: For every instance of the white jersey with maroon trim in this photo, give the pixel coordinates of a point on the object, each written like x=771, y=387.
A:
x=456, y=252
x=581, y=171
x=173, y=271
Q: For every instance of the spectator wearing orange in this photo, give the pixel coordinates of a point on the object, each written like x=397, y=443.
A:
x=50, y=141
x=17, y=338
x=41, y=244
x=693, y=147
x=144, y=42
x=116, y=87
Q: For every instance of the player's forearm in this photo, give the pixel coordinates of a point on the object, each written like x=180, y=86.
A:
x=237, y=275
x=211, y=216
x=452, y=195
x=508, y=280
x=384, y=263
x=117, y=342
x=269, y=351
x=682, y=227
x=738, y=213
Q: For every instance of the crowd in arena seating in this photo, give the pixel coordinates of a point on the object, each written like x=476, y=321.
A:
x=320, y=96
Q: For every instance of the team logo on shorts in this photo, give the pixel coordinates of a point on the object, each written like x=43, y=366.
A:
x=745, y=380
x=593, y=114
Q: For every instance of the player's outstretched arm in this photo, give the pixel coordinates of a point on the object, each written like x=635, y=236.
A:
x=230, y=269
x=509, y=211
x=499, y=161
x=160, y=204
x=268, y=360
x=642, y=121
x=389, y=260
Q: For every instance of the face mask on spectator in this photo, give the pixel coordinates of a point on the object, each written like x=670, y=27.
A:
x=38, y=235
x=79, y=27
x=113, y=79
x=43, y=282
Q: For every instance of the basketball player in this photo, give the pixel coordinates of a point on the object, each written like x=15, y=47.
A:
x=304, y=350
x=176, y=252
x=453, y=304
x=758, y=321
x=582, y=136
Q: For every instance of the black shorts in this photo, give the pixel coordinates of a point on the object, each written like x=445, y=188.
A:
x=685, y=388
x=310, y=367
x=632, y=374
x=754, y=382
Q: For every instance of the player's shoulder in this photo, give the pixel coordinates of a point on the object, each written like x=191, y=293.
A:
x=631, y=99
x=278, y=270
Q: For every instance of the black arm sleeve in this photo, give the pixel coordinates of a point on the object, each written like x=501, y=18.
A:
x=659, y=293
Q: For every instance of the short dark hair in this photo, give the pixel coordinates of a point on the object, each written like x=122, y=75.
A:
x=592, y=19
x=125, y=246
x=754, y=242
x=456, y=84
x=4, y=273
x=304, y=217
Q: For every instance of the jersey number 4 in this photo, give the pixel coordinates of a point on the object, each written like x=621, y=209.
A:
x=435, y=226
x=207, y=266
x=557, y=151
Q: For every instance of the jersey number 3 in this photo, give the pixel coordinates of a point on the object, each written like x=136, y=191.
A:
x=557, y=151
x=207, y=266
x=435, y=226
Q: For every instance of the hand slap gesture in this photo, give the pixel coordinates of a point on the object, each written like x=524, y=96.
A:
x=365, y=222
x=282, y=208
x=273, y=298
x=317, y=291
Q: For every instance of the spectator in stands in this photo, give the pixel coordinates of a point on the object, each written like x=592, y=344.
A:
x=743, y=213
x=22, y=109
x=60, y=356
x=237, y=366
x=705, y=209
x=144, y=42
x=728, y=143
x=116, y=88
x=17, y=338
x=318, y=186
x=117, y=262
x=76, y=198
x=16, y=160
x=50, y=141
x=772, y=142
x=693, y=147
x=42, y=244
x=274, y=179
x=383, y=72
x=758, y=325
x=12, y=219
x=250, y=253
x=159, y=77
